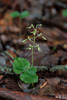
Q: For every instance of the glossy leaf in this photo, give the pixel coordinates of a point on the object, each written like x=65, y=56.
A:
x=15, y=14
x=29, y=76
x=20, y=65
x=24, y=14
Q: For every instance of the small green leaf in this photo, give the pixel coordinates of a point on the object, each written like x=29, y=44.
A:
x=24, y=40
x=24, y=14
x=29, y=76
x=64, y=13
x=20, y=65
x=44, y=38
x=15, y=14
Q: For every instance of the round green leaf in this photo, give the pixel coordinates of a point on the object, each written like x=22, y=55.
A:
x=20, y=65
x=64, y=13
x=15, y=14
x=24, y=14
x=29, y=76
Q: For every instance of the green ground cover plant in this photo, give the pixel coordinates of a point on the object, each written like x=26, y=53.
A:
x=21, y=16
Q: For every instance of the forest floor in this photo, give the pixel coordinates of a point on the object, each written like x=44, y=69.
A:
x=52, y=85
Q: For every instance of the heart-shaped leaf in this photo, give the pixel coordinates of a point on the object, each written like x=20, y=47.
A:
x=15, y=14
x=20, y=65
x=29, y=76
x=24, y=14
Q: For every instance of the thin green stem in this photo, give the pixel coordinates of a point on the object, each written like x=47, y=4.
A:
x=33, y=50
x=32, y=56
